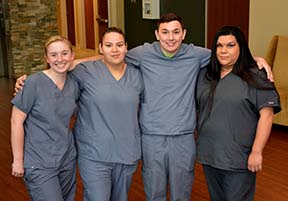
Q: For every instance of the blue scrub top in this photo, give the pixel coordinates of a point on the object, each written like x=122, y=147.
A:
x=107, y=127
x=48, y=141
x=169, y=105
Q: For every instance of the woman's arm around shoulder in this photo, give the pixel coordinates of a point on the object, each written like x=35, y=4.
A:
x=78, y=61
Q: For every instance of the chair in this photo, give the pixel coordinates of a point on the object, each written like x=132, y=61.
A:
x=277, y=57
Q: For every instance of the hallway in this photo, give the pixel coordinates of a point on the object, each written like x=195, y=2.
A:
x=272, y=182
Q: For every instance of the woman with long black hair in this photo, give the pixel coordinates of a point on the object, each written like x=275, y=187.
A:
x=236, y=104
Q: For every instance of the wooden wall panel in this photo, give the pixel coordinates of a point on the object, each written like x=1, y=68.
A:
x=227, y=12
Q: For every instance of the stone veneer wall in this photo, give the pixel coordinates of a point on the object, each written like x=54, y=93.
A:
x=31, y=23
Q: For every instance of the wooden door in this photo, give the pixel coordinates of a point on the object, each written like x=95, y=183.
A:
x=70, y=21
x=227, y=12
x=102, y=18
x=89, y=24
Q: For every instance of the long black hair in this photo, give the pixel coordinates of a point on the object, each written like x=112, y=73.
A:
x=245, y=67
x=244, y=62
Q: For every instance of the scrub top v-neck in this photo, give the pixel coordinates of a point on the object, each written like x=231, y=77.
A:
x=107, y=128
x=225, y=139
x=48, y=140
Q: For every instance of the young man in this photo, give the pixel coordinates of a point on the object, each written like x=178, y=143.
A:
x=167, y=116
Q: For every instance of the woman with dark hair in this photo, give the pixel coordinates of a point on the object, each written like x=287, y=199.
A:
x=106, y=130
x=236, y=104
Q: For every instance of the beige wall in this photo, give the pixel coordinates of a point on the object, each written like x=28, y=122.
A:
x=116, y=13
x=267, y=18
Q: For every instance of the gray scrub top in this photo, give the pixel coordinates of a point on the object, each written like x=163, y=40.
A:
x=226, y=138
x=48, y=141
x=169, y=105
x=107, y=127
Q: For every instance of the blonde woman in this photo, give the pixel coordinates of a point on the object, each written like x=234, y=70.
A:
x=42, y=145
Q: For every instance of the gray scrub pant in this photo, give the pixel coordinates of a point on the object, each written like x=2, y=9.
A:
x=168, y=159
x=105, y=181
x=52, y=184
x=225, y=185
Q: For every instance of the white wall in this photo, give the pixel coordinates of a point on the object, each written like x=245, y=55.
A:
x=267, y=18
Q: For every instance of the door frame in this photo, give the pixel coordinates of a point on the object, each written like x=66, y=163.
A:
x=5, y=43
x=115, y=17
x=89, y=22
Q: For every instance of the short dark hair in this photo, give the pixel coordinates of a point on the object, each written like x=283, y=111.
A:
x=169, y=17
x=110, y=30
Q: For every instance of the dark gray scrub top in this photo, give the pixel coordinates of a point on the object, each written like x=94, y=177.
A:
x=48, y=140
x=169, y=105
x=226, y=138
x=107, y=127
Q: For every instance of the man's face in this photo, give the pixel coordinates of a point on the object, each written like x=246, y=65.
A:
x=170, y=35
